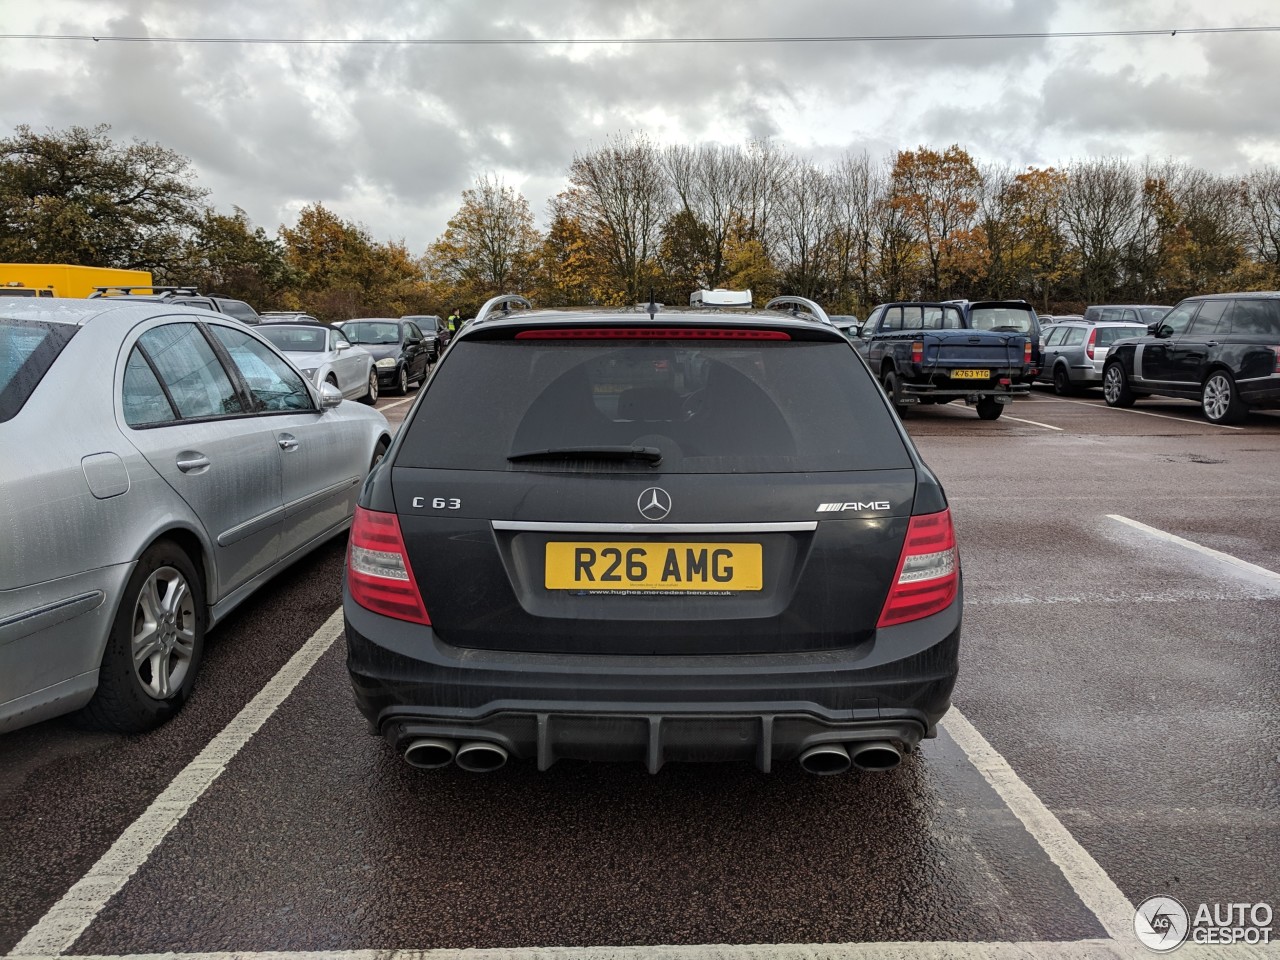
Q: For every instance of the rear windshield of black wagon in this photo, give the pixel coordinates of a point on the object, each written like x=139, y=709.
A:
x=706, y=407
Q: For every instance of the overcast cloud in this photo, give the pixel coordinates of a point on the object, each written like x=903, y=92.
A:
x=390, y=136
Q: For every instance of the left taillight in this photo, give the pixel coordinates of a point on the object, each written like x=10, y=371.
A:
x=1093, y=342
x=928, y=574
x=378, y=571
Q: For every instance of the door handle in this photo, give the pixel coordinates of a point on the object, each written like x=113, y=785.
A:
x=287, y=441
x=194, y=463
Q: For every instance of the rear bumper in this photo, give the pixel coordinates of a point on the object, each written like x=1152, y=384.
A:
x=764, y=709
x=974, y=390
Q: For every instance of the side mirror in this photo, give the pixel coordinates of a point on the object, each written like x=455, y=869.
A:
x=340, y=346
x=330, y=396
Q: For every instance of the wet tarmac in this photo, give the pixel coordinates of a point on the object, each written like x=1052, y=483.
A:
x=1129, y=681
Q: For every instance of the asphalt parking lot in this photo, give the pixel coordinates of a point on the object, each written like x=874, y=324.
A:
x=1116, y=736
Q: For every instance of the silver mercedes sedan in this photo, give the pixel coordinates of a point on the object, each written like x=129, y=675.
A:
x=158, y=464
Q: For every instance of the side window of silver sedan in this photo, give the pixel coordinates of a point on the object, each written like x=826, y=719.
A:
x=272, y=382
x=189, y=372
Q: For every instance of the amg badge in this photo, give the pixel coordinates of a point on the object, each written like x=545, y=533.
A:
x=840, y=507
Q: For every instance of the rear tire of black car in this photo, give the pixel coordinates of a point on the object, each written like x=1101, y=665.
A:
x=989, y=408
x=372, y=396
x=893, y=390
x=402, y=381
x=171, y=625
x=1220, y=400
x=1062, y=385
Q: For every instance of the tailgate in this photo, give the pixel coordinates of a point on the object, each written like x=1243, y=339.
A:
x=553, y=564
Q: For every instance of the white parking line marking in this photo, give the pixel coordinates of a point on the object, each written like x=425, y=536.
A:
x=1251, y=568
x=1096, y=890
x=397, y=403
x=1034, y=423
x=1141, y=413
x=69, y=917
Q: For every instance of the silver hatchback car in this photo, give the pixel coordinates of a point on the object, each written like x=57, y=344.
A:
x=158, y=464
x=1075, y=352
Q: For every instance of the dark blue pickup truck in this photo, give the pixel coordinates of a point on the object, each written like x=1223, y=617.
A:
x=983, y=352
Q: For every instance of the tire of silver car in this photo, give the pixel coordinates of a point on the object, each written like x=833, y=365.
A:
x=402, y=381
x=1220, y=399
x=372, y=396
x=1062, y=381
x=1115, y=386
x=155, y=645
x=379, y=452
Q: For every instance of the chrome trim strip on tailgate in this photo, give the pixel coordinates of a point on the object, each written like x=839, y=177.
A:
x=803, y=526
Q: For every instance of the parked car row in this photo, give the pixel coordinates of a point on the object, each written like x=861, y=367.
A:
x=198, y=464
x=1222, y=350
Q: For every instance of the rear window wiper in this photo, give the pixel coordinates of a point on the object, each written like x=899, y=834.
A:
x=647, y=454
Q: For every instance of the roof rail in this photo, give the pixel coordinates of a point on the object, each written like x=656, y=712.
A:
x=103, y=291
x=503, y=300
x=801, y=308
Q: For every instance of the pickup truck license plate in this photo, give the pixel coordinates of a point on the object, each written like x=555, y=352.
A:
x=654, y=566
x=970, y=374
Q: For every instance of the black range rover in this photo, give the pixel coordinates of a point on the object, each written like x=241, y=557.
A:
x=630, y=536
x=1222, y=350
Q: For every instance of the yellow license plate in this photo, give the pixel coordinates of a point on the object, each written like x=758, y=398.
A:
x=970, y=374
x=654, y=566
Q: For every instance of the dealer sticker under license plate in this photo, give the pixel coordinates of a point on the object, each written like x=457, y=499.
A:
x=970, y=374
x=654, y=566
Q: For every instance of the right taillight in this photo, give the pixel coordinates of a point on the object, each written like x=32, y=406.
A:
x=378, y=571
x=1276, y=351
x=928, y=573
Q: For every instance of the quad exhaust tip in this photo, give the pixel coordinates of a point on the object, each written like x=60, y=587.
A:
x=429, y=754
x=478, y=756
x=875, y=755
x=827, y=759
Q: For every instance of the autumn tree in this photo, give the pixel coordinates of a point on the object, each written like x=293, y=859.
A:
x=227, y=255
x=806, y=227
x=489, y=247
x=621, y=196
x=1099, y=207
x=856, y=182
x=937, y=193
x=710, y=184
x=78, y=197
x=571, y=271
x=339, y=271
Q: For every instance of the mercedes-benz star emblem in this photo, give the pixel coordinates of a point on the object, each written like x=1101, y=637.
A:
x=654, y=503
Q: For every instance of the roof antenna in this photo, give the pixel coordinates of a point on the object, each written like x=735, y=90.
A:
x=653, y=305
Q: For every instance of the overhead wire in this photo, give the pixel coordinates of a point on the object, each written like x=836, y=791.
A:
x=642, y=41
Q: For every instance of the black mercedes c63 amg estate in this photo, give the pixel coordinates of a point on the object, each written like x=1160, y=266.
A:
x=651, y=536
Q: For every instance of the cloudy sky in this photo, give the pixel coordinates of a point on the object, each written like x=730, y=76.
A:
x=391, y=135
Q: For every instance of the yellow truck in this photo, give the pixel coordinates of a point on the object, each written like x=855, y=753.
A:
x=62, y=280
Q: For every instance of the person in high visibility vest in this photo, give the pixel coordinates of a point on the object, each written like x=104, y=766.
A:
x=455, y=321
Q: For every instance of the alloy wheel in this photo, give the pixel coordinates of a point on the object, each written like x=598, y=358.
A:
x=164, y=633
x=1217, y=397
x=1111, y=385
